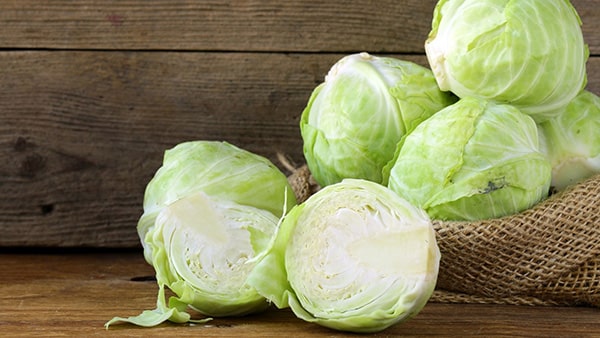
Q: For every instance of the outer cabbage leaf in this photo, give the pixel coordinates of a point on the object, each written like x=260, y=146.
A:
x=354, y=120
x=353, y=257
x=472, y=160
x=527, y=53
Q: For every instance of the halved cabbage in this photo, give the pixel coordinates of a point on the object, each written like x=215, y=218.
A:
x=209, y=210
x=353, y=257
x=218, y=169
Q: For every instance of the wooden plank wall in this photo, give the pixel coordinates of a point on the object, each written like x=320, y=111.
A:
x=93, y=92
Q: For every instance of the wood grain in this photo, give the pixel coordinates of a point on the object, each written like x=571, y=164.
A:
x=53, y=295
x=307, y=26
x=83, y=132
x=272, y=26
x=93, y=92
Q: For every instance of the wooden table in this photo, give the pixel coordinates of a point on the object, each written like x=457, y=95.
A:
x=74, y=294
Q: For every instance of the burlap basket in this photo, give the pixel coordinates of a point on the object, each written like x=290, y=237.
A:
x=547, y=255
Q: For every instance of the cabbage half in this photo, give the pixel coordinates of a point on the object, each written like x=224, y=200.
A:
x=354, y=120
x=218, y=169
x=209, y=210
x=472, y=160
x=572, y=141
x=527, y=53
x=353, y=257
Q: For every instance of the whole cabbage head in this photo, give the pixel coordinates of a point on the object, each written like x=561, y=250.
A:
x=353, y=257
x=571, y=141
x=472, y=160
x=530, y=54
x=353, y=120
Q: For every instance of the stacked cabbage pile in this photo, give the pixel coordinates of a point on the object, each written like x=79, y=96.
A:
x=500, y=118
x=514, y=66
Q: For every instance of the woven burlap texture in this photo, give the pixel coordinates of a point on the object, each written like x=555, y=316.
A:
x=547, y=255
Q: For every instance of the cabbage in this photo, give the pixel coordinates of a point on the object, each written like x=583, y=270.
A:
x=472, y=160
x=218, y=169
x=353, y=257
x=353, y=121
x=208, y=211
x=572, y=141
x=527, y=53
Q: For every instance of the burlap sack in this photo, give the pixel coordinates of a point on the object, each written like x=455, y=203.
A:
x=547, y=255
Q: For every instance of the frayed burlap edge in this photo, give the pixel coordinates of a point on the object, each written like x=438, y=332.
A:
x=547, y=255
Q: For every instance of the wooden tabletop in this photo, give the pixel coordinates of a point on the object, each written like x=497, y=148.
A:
x=74, y=294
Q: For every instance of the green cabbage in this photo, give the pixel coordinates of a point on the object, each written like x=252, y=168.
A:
x=353, y=257
x=527, y=53
x=218, y=169
x=572, y=141
x=472, y=160
x=353, y=121
x=209, y=210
